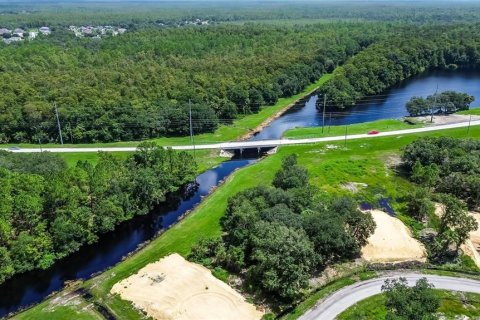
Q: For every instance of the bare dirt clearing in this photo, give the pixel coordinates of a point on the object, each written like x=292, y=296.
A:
x=174, y=288
x=472, y=246
x=392, y=241
x=447, y=119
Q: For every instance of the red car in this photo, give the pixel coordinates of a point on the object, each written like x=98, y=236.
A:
x=373, y=132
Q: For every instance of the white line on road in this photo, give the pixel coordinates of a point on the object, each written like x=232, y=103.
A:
x=259, y=143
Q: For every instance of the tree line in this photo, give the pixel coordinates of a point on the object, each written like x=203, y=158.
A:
x=408, y=53
x=141, y=84
x=49, y=210
x=447, y=171
x=277, y=237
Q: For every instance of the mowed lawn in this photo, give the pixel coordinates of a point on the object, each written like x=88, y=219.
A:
x=330, y=165
x=452, y=304
x=330, y=131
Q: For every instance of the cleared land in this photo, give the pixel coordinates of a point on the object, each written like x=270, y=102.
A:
x=175, y=289
x=392, y=241
x=364, y=160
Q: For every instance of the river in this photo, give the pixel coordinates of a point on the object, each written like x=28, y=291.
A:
x=32, y=287
x=388, y=105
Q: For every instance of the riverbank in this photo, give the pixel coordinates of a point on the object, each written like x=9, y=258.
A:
x=363, y=160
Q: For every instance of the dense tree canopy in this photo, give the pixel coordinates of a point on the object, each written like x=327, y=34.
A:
x=139, y=85
x=410, y=303
x=48, y=210
x=411, y=51
x=281, y=235
x=449, y=165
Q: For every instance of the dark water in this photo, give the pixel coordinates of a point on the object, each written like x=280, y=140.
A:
x=34, y=286
x=388, y=105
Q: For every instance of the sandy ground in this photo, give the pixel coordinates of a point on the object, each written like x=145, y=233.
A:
x=447, y=119
x=472, y=246
x=392, y=241
x=173, y=288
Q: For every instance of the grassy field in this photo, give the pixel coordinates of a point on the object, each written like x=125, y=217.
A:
x=475, y=111
x=224, y=133
x=330, y=165
x=452, y=304
x=379, y=125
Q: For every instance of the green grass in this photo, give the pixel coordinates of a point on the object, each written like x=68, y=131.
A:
x=77, y=308
x=379, y=125
x=452, y=304
x=206, y=159
x=224, y=133
x=362, y=161
x=475, y=111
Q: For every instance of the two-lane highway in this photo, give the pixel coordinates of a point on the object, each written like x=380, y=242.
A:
x=259, y=143
x=342, y=299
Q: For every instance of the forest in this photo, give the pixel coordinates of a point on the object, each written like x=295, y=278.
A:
x=388, y=62
x=140, y=85
x=282, y=234
x=49, y=210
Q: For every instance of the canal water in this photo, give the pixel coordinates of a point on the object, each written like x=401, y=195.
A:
x=388, y=105
x=34, y=286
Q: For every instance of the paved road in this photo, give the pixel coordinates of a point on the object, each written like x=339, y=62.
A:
x=260, y=143
x=342, y=299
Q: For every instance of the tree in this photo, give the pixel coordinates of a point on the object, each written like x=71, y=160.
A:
x=419, y=205
x=291, y=175
x=410, y=303
x=455, y=227
x=282, y=259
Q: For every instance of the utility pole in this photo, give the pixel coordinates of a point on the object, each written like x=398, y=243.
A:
x=191, y=127
x=330, y=122
x=40, y=143
x=324, y=104
x=346, y=128
x=58, y=123
x=433, y=105
x=469, y=122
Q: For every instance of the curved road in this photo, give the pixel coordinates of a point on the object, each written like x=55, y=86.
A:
x=260, y=143
x=333, y=305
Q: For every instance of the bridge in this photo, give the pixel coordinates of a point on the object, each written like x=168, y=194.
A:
x=260, y=144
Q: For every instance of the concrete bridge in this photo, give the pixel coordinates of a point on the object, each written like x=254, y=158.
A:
x=260, y=144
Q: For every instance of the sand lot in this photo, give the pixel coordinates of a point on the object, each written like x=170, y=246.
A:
x=392, y=241
x=472, y=246
x=173, y=288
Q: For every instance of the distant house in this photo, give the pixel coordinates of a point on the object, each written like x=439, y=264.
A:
x=45, y=30
x=122, y=30
x=12, y=39
x=19, y=32
x=4, y=31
